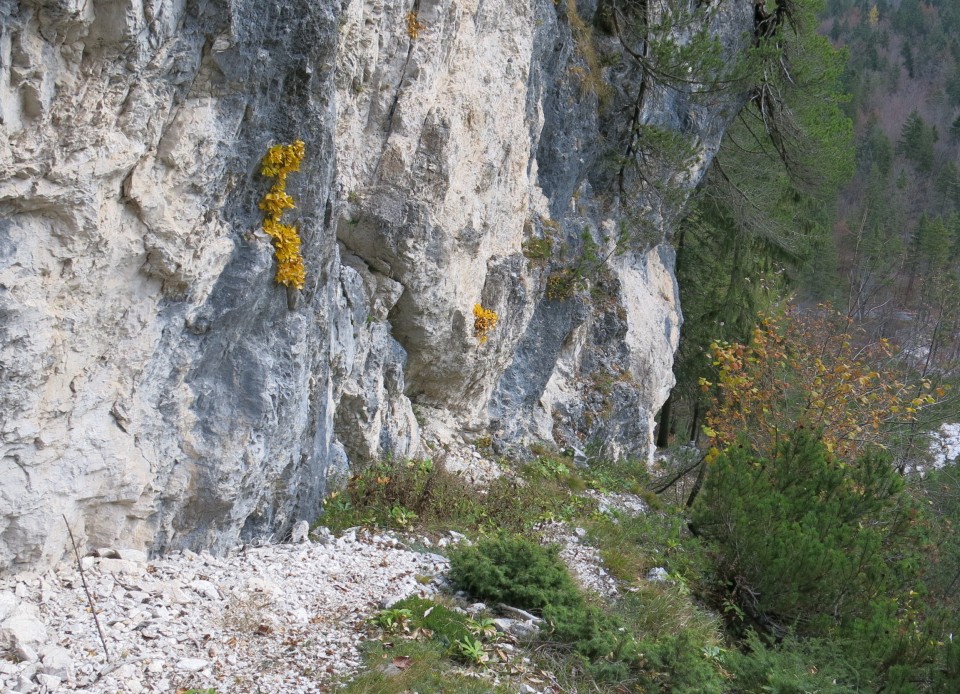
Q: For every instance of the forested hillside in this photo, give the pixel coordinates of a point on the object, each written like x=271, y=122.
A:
x=868, y=223
x=820, y=281
x=897, y=227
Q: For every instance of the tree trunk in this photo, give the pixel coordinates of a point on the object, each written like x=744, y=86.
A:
x=695, y=424
x=698, y=484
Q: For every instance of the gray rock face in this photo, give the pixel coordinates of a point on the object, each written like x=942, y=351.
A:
x=160, y=391
x=157, y=386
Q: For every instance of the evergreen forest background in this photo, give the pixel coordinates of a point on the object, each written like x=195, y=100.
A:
x=820, y=281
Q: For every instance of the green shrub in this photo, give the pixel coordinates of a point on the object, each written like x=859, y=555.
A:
x=946, y=676
x=795, y=666
x=803, y=538
x=679, y=665
x=515, y=571
x=538, y=250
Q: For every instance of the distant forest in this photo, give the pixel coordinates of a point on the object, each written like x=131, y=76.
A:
x=897, y=230
x=871, y=228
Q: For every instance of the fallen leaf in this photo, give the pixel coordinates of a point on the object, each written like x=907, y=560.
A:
x=402, y=662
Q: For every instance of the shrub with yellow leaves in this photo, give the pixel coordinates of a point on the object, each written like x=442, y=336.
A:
x=414, y=25
x=279, y=161
x=810, y=370
x=484, y=320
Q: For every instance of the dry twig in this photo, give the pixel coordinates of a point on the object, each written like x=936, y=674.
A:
x=86, y=589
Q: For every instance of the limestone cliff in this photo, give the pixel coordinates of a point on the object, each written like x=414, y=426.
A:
x=159, y=390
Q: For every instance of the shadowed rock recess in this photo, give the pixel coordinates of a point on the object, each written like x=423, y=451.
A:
x=158, y=388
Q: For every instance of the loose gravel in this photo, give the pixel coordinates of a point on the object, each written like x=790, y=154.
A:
x=279, y=618
x=276, y=618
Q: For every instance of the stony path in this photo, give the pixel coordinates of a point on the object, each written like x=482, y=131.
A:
x=280, y=618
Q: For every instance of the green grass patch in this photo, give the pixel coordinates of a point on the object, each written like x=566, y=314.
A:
x=419, y=495
x=632, y=545
x=658, y=609
x=629, y=476
x=415, y=666
x=423, y=647
x=444, y=625
x=645, y=642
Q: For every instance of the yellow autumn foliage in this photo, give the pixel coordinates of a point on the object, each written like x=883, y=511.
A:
x=279, y=161
x=484, y=320
x=809, y=369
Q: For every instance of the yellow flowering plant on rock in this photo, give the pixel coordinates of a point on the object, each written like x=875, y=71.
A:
x=279, y=161
x=484, y=320
x=414, y=25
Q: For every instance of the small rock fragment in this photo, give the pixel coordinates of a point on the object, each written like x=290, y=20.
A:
x=119, y=566
x=25, y=653
x=658, y=574
x=524, y=630
x=22, y=628
x=476, y=608
x=206, y=589
x=134, y=555
x=56, y=662
x=191, y=664
x=300, y=533
x=51, y=682
x=389, y=601
x=8, y=602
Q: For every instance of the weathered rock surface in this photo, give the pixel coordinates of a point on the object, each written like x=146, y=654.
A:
x=160, y=391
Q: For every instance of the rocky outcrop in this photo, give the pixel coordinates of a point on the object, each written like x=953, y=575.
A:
x=158, y=390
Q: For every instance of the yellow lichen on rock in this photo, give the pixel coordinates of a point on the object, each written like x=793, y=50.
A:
x=279, y=161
